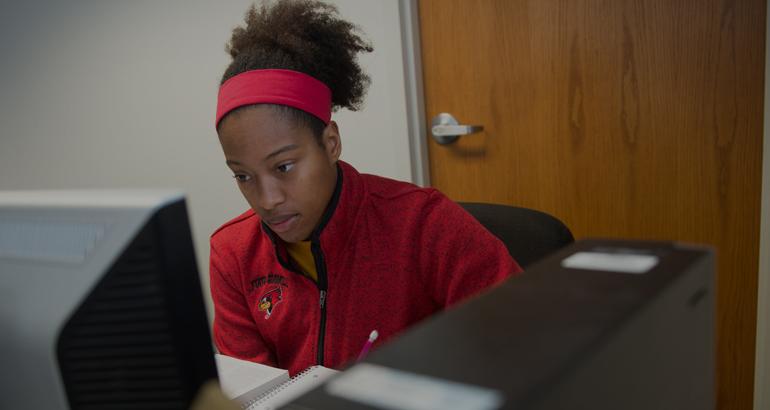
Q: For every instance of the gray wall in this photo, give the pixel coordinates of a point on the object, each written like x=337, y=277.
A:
x=114, y=94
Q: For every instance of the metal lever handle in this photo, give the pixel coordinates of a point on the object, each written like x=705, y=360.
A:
x=455, y=130
x=446, y=130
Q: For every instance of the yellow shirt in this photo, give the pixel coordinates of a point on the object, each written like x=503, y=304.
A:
x=302, y=255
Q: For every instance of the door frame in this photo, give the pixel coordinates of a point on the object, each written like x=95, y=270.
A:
x=415, y=101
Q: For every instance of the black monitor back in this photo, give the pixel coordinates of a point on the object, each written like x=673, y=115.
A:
x=573, y=338
x=140, y=339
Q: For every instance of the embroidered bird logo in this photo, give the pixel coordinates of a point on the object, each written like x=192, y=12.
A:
x=268, y=301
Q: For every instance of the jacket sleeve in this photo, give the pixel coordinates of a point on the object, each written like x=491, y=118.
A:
x=460, y=257
x=235, y=332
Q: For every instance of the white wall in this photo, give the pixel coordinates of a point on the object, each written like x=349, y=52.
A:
x=122, y=94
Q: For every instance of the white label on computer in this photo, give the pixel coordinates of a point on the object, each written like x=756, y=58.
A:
x=387, y=388
x=611, y=262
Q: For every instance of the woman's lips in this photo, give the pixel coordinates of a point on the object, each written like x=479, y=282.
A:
x=282, y=223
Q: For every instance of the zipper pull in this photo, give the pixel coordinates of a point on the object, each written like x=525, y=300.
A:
x=323, y=299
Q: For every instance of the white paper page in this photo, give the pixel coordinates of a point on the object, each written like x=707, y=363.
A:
x=243, y=381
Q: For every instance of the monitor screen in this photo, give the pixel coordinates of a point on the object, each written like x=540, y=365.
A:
x=101, y=305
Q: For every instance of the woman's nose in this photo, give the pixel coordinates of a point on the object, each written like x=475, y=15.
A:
x=270, y=196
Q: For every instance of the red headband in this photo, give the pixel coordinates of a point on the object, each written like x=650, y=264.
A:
x=284, y=87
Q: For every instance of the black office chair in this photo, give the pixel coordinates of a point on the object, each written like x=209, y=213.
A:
x=529, y=235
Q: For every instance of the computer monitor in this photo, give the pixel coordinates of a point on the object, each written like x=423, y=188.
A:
x=600, y=325
x=100, y=302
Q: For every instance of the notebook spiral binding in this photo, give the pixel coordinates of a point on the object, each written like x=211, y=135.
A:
x=251, y=404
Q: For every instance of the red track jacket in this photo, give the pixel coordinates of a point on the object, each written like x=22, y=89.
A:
x=388, y=255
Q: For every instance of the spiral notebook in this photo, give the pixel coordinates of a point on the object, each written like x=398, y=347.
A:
x=291, y=389
x=256, y=386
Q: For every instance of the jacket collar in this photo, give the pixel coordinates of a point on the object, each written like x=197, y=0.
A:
x=331, y=207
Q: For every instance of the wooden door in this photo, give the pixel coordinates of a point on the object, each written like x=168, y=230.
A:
x=623, y=118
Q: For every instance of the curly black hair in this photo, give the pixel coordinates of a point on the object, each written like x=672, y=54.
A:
x=306, y=36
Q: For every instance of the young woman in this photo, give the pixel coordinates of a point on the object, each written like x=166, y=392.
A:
x=326, y=255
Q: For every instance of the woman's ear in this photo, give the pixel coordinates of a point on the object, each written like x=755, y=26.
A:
x=331, y=142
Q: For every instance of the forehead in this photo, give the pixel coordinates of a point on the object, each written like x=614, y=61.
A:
x=259, y=129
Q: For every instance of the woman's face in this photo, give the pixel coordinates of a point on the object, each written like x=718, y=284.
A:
x=286, y=176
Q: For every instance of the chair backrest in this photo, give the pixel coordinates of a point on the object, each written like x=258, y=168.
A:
x=529, y=235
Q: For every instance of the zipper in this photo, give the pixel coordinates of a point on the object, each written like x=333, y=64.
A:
x=318, y=258
x=320, y=266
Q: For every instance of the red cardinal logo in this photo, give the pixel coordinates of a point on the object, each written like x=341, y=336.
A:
x=268, y=301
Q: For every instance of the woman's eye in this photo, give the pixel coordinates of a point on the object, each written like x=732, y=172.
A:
x=284, y=168
x=241, y=177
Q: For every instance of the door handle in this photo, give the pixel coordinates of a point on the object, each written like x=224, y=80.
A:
x=446, y=130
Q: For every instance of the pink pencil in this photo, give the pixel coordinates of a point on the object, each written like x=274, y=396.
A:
x=372, y=337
